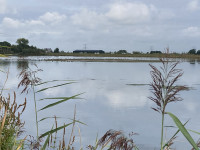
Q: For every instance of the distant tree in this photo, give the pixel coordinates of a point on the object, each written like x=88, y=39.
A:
x=192, y=51
x=56, y=50
x=15, y=49
x=5, y=43
x=22, y=43
x=198, y=52
x=121, y=52
x=136, y=52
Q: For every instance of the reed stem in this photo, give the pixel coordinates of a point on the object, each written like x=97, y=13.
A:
x=36, y=118
x=162, y=128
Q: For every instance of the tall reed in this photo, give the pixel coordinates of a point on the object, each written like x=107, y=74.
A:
x=164, y=88
x=11, y=125
x=29, y=78
x=31, y=83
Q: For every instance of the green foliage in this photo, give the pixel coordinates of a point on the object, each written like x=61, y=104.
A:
x=198, y=52
x=60, y=101
x=22, y=42
x=10, y=122
x=192, y=51
x=29, y=79
x=56, y=50
x=136, y=52
x=5, y=43
x=183, y=130
x=121, y=52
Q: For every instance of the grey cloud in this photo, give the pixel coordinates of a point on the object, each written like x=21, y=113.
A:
x=110, y=25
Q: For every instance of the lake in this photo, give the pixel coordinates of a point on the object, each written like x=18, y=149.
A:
x=115, y=96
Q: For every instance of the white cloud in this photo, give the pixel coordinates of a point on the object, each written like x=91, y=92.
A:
x=52, y=17
x=35, y=22
x=87, y=19
x=2, y=6
x=192, y=31
x=11, y=23
x=125, y=13
x=193, y=5
x=127, y=98
x=129, y=13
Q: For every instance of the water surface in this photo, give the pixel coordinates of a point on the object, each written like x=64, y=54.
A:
x=115, y=97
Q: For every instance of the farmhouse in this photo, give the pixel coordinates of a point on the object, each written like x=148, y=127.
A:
x=89, y=51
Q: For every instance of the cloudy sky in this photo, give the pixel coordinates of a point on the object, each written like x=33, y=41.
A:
x=134, y=25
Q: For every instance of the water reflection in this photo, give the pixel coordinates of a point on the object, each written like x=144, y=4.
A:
x=109, y=101
x=22, y=64
x=4, y=64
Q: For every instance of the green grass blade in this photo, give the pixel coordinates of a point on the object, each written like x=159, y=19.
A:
x=53, y=81
x=54, y=130
x=78, y=121
x=47, y=118
x=194, y=131
x=183, y=130
x=174, y=134
x=56, y=98
x=61, y=101
x=54, y=86
x=46, y=141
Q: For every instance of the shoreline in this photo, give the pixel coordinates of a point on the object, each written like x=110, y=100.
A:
x=100, y=60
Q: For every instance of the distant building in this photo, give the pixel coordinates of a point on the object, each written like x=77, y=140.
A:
x=89, y=51
x=155, y=52
x=48, y=50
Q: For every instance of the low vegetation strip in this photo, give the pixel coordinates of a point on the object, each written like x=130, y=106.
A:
x=101, y=60
x=1, y=55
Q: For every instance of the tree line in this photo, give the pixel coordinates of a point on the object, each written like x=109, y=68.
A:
x=22, y=47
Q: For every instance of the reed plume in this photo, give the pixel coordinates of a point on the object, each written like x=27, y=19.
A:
x=164, y=86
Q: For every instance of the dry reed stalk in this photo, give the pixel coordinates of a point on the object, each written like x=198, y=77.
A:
x=164, y=88
x=117, y=140
x=73, y=126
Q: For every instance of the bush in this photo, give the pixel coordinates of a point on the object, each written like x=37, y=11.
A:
x=192, y=51
x=198, y=52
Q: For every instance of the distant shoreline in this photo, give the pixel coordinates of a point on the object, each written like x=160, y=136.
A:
x=171, y=55
x=100, y=60
x=150, y=58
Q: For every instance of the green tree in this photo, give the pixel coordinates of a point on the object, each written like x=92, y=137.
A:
x=5, y=43
x=22, y=43
x=56, y=50
x=192, y=51
x=198, y=52
x=122, y=52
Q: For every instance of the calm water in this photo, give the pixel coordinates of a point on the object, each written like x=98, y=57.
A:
x=109, y=101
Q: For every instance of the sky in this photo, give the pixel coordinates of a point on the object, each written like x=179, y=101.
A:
x=109, y=25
